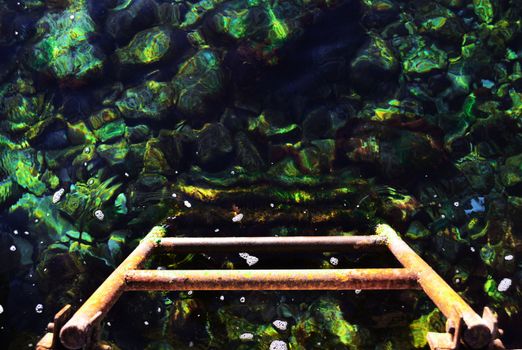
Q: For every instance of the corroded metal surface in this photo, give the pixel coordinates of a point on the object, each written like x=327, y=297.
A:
x=273, y=244
x=464, y=326
x=77, y=331
x=325, y=279
x=476, y=334
x=51, y=339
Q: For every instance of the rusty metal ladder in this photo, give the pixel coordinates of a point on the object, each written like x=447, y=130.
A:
x=464, y=327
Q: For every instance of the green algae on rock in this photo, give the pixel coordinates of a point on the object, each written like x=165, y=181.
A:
x=64, y=50
x=152, y=100
x=198, y=82
x=148, y=46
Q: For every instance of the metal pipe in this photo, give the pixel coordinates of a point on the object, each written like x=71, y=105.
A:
x=75, y=333
x=476, y=334
x=318, y=279
x=271, y=244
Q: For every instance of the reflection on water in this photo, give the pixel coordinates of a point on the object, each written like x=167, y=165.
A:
x=258, y=117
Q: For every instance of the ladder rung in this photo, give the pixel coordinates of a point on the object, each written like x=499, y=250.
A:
x=316, y=279
x=275, y=244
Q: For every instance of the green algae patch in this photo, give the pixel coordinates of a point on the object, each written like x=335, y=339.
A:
x=146, y=47
x=64, y=50
x=420, y=327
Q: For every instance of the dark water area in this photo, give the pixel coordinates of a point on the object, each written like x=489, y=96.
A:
x=259, y=118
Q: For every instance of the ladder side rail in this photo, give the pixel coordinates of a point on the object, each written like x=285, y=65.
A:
x=77, y=331
x=476, y=334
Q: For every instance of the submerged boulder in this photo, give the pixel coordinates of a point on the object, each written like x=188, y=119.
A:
x=213, y=146
x=150, y=100
x=64, y=49
x=149, y=46
x=198, y=83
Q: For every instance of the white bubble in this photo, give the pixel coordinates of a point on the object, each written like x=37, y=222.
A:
x=98, y=214
x=71, y=16
x=1, y=309
x=146, y=323
x=12, y=248
x=472, y=249
x=126, y=174
x=272, y=205
x=278, y=345
x=508, y=257
x=281, y=325
x=456, y=204
x=357, y=291
x=15, y=232
x=222, y=297
x=242, y=299
x=174, y=195
x=334, y=261
x=252, y=260
x=216, y=230
x=237, y=218
x=58, y=195
x=246, y=336
x=38, y=308
x=187, y=204
x=504, y=285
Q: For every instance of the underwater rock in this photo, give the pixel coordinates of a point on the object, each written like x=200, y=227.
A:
x=213, y=146
x=10, y=192
x=21, y=105
x=378, y=13
x=114, y=154
x=64, y=50
x=417, y=231
x=438, y=21
x=424, y=59
x=247, y=155
x=42, y=217
x=84, y=200
x=138, y=133
x=393, y=151
x=22, y=168
x=130, y=17
x=154, y=160
x=198, y=83
x=176, y=146
x=484, y=10
x=150, y=100
x=427, y=323
x=103, y=117
x=374, y=64
x=511, y=171
x=148, y=46
x=323, y=123
x=480, y=174
x=277, y=134
x=111, y=131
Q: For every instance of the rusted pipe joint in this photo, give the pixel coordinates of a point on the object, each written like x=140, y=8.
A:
x=76, y=335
